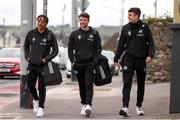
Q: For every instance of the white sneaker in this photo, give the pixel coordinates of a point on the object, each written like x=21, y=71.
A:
x=35, y=105
x=88, y=111
x=40, y=112
x=83, y=110
x=124, y=112
x=139, y=111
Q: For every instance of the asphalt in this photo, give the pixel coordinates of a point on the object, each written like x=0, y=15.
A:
x=63, y=102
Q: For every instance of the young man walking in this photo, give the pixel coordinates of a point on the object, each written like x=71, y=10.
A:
x=136, y=49
x=40, y=46
x=84, y=45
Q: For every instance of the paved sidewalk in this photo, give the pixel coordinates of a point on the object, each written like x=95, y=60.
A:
x=63, y=102
x=8, y=94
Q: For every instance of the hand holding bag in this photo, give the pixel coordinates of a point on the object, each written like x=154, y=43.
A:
x=52, y=74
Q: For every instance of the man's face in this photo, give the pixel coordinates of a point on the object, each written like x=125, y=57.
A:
x=83, y=21
x=41, y=23
x=133, y=18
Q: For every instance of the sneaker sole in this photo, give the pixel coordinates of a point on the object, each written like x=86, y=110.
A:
x=40, y=116
x=141, y=114
x=88, y=113
x=123, y=113
x=82, y=114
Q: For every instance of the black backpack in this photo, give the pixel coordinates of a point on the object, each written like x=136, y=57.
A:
x=103, y=74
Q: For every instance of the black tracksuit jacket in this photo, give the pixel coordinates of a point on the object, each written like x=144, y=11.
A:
x=136, y=40
x=84, y=46
x=38, y=46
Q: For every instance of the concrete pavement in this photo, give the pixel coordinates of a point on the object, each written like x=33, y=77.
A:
x=63, y=102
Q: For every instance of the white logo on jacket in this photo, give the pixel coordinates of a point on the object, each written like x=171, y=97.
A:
x=33, y=39
x=91, y=36
x=44, y=40
x=140, y=33
x=79, y=37
x=129, y=33
x=125, y=67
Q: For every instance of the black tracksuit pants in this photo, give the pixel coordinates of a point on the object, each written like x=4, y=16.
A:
x=85, y=79
x=131, y=64
x=35, y=73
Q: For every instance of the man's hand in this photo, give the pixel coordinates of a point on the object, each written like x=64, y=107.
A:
x=148, y=60
x=44, y=60
x=116, y=65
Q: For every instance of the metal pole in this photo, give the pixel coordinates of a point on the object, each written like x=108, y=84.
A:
x=26, y=25
x=83, y=6
x=62, y=27
x=122, y=12
x=64, y=7
x=34, y=13
x=4, y=41
x=122, y=18
x=74, y=26
x=45, y=2
x=74, y=20
x=155, y=6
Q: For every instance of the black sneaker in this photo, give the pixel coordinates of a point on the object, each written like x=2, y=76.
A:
x=124, y=112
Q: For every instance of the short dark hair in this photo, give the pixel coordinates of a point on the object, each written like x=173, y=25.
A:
x=84, y=14
x=135, y=10
x=45, y=18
